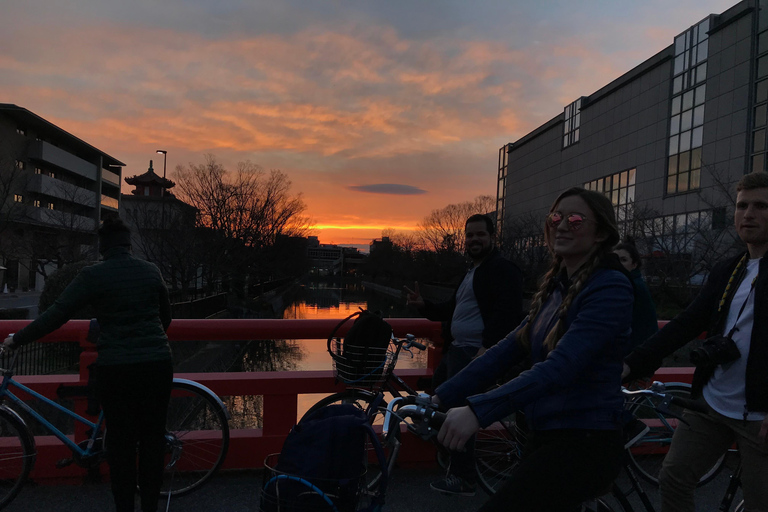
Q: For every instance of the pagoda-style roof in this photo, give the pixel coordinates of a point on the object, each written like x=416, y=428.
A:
x=150, y=179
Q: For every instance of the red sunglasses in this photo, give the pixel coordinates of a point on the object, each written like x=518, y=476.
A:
x=574, y=221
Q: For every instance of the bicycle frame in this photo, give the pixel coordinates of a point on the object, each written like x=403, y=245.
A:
x=5, y=393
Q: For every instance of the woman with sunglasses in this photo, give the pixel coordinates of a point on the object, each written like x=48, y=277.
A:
x=573, y=338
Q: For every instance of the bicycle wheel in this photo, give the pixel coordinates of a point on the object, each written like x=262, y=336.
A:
x=197, y=435
x=498, y=449
x=391, y=445
x=739, y=507
x=646, y=455
x=17, y=455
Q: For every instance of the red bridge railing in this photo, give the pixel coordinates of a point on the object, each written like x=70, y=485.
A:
x=280, y=390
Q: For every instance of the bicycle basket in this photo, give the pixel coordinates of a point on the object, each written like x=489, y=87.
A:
x=283, y=492
x=365, y=358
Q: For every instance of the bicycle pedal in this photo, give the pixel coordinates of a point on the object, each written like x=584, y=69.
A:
x=64, y=463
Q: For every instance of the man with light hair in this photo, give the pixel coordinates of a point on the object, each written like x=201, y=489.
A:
x=731, y=366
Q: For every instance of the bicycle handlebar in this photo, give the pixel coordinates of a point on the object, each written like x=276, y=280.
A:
x=425, y=418
x=658, y=390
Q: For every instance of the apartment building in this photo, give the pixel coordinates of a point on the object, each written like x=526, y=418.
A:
x=666, y=141
x=54, y=190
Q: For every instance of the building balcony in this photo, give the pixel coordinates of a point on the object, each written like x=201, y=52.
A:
x=47, y=152
x=110, y=177
x=52, y=187
x=59, y=220
x=109, y=202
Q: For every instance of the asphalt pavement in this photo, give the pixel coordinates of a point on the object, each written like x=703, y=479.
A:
x=239, y=492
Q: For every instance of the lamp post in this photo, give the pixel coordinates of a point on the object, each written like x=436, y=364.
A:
x=162, y=207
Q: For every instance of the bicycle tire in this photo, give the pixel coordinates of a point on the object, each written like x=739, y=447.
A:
x=391, y=445
x=498, y=450
x=197, y=438
x=17, y=454
x=646, y=455
x=739, y=507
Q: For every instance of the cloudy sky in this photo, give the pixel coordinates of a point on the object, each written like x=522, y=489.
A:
x=379, y=111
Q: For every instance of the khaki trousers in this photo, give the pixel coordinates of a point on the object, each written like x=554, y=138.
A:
x=696, y=446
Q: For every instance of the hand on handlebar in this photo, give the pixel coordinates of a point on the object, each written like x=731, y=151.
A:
x=460, y=424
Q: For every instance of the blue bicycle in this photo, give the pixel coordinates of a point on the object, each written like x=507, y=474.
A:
x=197, y=435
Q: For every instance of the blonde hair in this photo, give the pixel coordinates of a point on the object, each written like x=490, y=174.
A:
x=606, y=224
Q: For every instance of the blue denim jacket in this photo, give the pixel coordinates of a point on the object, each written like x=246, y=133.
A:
x=575, y=386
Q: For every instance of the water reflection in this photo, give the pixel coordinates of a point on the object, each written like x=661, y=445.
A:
x=313, y=300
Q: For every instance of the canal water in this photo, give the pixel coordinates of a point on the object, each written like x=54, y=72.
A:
x=313, y=300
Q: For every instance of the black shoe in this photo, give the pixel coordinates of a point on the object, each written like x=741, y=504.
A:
x=634, y=431
x=455, y=485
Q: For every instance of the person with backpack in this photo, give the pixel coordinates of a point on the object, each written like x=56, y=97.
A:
x=485, y=307
x=574, y=339
x=644, y=321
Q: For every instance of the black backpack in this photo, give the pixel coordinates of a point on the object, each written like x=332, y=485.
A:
x=323, y=463
x=361, y=359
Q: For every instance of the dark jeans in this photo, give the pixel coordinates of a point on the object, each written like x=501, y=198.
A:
x=453, y=361
x=135, y=398
x=561, y=469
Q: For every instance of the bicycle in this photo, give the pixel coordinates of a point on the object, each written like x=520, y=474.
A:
x=197, y=436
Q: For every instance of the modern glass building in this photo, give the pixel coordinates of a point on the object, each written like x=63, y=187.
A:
x=666, y=142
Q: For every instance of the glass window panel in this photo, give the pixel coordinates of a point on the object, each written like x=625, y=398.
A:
x=567, y=111
x=673, y=144
x=578, y=104
x=758, y=162
x=577, y=120
x=762, y=42
x=677, y=84
x=565, y=141
x=674, y=125
x=695, y=35
x=615, y=197
x=623, y=196
x=576, y=135
x=705, y=221
x=701, y=94
x=693, y=57
x=703, y=49
x=631, y=194
x=672, y=184
x=701, y=72
x=686, y=120
x=762, y=66
x=682, y=186
x=672, y=169
x=679, y=44
x=623, y=179
x=686, y=62
x=685, y=141
x=685, y=161
x=632, y=173
x=758, y=141
x=677, y=101
x=687, y=39
x=703, y=29
x=695, y=179
x=697, y=137
x=698, y=115
x=679, y=61
x=687, y=100
x=760, y=115
x=696, y=158
x=762, y=91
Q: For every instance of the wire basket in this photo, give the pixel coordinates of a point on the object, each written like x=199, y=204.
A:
x=362, y=366
x=282, y=492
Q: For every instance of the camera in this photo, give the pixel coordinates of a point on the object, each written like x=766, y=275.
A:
x=716, y=350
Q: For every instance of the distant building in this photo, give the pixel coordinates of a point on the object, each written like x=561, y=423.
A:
x=333, y=260
x=163, y=226
x=54, y=190
x=665, y=142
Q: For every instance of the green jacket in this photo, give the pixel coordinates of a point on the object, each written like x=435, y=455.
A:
x=131, y=304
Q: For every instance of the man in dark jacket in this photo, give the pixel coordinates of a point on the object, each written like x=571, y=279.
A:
x=485, y=307
x=732, y=366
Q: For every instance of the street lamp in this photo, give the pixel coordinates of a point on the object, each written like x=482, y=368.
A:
x=165, y=158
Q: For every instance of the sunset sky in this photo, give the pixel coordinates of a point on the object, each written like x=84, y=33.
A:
x=379, y=111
